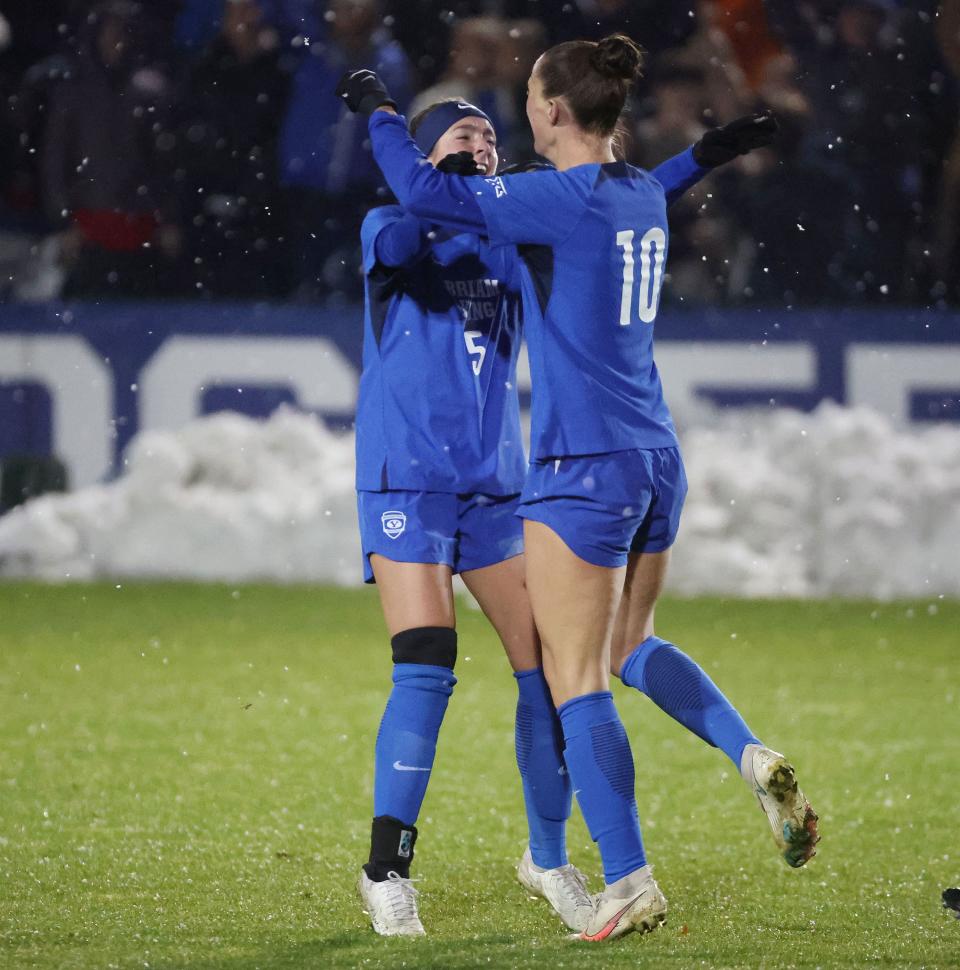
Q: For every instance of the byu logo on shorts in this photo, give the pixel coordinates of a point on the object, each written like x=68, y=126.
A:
x=393, y=523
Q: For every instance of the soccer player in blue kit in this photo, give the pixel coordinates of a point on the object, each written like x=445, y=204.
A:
x=603, y=493
x=440, y=465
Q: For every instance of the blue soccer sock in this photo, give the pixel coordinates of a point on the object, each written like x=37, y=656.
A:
x=547, y=792
x=600, y=763
x=407, y=740
x=679, y=686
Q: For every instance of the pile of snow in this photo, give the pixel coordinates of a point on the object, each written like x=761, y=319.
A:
x=224, y=498
x=833, y=503
x=781, y=503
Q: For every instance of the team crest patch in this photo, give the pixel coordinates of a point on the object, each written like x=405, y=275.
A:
x=394, y=523
x=406, y=844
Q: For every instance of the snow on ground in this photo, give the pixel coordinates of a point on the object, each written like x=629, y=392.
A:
x=781, y=503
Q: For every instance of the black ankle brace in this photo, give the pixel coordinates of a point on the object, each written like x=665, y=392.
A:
x=391, y=848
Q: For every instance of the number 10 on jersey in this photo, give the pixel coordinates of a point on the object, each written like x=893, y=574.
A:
x=652, y=247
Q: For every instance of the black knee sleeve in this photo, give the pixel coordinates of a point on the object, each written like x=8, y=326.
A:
x=434, y=645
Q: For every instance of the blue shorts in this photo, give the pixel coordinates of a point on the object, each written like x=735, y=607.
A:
x=461, y=531
x=607, y=506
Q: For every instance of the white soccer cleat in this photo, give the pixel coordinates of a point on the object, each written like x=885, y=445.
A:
x=391, y=905
x=792, y=820
x=564, y=888
x=633, y=903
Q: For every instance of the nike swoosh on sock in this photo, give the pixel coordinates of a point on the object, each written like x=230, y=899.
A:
x=398, y=766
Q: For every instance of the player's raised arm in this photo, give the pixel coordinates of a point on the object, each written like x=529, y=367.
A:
x=717, y=147
x=543, y=208
x=418, y=186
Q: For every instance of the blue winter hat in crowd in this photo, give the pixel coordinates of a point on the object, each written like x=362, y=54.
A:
x=439, y=119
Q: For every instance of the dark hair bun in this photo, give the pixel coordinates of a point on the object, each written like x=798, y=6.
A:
x=617, y=56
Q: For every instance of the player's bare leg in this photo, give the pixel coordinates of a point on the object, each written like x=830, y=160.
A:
x=642, y=585
x=501, y=592
x=575, y=605
x=681, y=688
x=414, y=594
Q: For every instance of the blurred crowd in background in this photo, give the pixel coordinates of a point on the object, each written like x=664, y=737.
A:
x=193, y=149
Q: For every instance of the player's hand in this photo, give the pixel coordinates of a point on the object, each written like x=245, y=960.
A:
x=721, y=145
x=363, y=92
x=460, y=163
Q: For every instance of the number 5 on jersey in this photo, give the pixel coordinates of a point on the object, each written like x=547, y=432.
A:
x=652, y=248
x=471, y=337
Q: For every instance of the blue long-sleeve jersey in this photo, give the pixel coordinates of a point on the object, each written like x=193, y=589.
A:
x=438, y=409
x=591, y=294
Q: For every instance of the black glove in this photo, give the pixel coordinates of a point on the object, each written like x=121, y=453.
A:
x=460, y=163
x=721, y=145
x=363, y=92
x=518, y=168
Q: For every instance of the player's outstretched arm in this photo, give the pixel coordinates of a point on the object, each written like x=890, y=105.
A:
x=717, y=147
x=678, y=174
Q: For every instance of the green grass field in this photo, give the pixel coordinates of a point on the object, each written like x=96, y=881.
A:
x=185, y=781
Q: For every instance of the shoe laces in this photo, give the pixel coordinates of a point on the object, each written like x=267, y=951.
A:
x=402, y=898
x=573, y=885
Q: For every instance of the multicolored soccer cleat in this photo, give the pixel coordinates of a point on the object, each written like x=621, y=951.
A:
x=792, y=820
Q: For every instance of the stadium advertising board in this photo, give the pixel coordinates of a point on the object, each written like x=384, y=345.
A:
x=80, y=381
